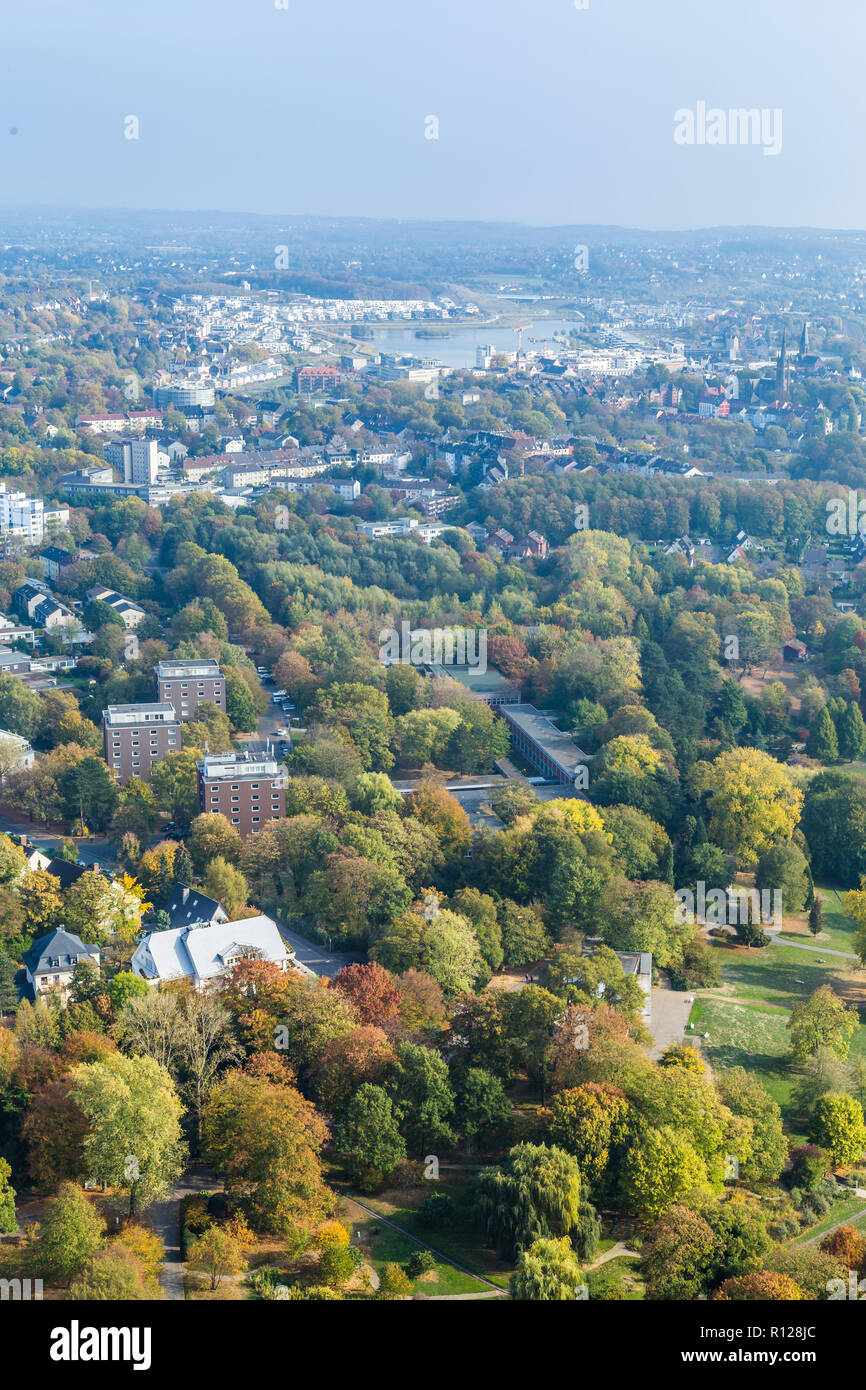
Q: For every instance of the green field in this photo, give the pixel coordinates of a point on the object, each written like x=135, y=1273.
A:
x=770, y=974
x=741, y=1036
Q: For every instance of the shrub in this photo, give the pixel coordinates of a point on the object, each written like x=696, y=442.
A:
x=420, y=1262
x=809, y=1165
x=436, y=1210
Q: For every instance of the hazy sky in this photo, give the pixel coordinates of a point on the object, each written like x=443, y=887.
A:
x=547, y=113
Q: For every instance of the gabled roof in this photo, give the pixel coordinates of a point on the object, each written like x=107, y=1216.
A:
x=196, y=907
x=58, y=945
x=200, y=951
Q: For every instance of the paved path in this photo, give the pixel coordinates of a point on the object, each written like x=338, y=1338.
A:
x=621, y=1248
x=445, y=1259
x=777, y=940
x=670, y=1014
x=164, y=1220
x=849, y=1221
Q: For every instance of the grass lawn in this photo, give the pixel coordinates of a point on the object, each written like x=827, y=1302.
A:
x=839, y=931
x=849, y=1209
x=770, y=974
x=628, y=1267
x=459, y=1240
x=740, y=1036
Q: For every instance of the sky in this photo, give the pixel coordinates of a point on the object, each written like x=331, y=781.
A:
x=543, y=112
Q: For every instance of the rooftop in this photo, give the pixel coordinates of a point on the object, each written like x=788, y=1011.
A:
x=172, y=670
x=140, y=714
x=540, y=728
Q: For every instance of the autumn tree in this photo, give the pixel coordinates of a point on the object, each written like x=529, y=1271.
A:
x=374, y=993
x=266, y=1139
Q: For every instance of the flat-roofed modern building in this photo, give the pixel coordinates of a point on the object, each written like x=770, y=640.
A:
x=185, y=684
x=247, y=788
x=137, y=736
x=535, y=735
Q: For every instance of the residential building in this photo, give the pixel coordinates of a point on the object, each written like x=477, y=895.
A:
x=206, y=954
x=403, y=526
x=187, y=684
x=135, y=459
x=137, y=736
x=129, y=612
x=55, y=560
x=51, y=960
x=34, y=600
x=187, y=907
x=21, y=515
x=306, y=380
x=16, y=754
x=247, y=788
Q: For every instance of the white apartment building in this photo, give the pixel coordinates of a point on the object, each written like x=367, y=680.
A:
x=21, y=515
x=135, y=459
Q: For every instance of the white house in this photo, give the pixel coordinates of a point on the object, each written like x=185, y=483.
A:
x=205, y=954
x=51, y=960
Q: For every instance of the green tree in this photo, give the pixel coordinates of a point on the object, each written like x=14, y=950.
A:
x=851, y=731
x=69, y=1235
x=423, y=1098
x=227, y=885
x=822, y=742
x=591, y=1122
x=20, y=708
x=837, y=1125
x=744, y=1095
x=174, y=783
x=680, y=1255
x=7, y=1199
x=241, y=704
x=783, y=868
x=547, y=1272
x=822, y=1020
x=368, y=1139
x=661, y=1166
x=125, y=985
x=534, y=1195
x=483, y=1110
x=816, y=916
x=134, y=1141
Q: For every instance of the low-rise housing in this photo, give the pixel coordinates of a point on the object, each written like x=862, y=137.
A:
x=203, y=955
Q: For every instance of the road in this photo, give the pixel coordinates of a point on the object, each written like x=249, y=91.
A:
x=96, y=849
x=310, y=953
